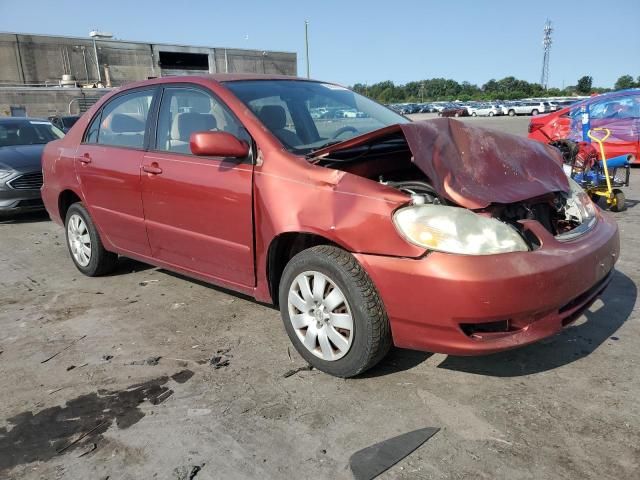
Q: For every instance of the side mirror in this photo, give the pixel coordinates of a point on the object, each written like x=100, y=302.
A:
x=218, y=144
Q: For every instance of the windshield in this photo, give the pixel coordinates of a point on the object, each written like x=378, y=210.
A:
x=27, y=132
x=306, y=116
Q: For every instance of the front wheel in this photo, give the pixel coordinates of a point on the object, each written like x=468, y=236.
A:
x=534, y=112
x=512, y=113
x=332, y=312
x=85, y=245
x=491, y=114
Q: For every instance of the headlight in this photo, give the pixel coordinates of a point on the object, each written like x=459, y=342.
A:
x=5, y=171
x=456, y=230
x=579, y=205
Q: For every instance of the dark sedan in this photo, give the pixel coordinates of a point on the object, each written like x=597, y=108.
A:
x=21, y=143
x=454, y=112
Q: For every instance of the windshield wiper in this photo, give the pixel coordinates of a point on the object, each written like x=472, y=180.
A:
x=325, y=145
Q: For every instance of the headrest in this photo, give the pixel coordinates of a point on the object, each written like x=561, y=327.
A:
x=273, y=116
x=184, y=124
x=122, y=123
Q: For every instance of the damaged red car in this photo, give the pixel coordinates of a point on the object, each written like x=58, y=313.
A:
x=368, y=231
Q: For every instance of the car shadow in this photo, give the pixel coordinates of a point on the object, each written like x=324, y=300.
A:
x=27, y=217
x=398, y=360
x=573, y=343
x=215, y=287
x=129, y=265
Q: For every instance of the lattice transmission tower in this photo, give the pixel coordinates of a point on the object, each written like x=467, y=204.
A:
x=546, y=44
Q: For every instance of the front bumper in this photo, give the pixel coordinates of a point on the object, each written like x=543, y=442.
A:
x=435, y=303
x=14, y=200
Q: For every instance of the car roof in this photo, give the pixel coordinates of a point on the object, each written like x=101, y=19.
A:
x=216, y=77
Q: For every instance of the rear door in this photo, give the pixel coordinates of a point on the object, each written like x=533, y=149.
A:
x=108, y=167
x=198, y=210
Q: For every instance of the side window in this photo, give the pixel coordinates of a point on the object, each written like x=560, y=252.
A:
x=123, y=120
x=625, y=107
x=184, y=111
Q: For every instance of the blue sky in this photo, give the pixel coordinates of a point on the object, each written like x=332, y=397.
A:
x=357, y=41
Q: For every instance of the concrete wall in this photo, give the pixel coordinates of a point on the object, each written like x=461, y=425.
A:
x=41, y=59
x=45, y=101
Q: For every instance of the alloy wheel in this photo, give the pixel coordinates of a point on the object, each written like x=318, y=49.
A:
x=320, y=315
x=79, y=240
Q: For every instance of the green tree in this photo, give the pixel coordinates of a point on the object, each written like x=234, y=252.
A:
x=584, y=84
x=625, y=81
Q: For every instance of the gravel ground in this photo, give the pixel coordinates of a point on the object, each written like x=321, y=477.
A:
x=146, y=374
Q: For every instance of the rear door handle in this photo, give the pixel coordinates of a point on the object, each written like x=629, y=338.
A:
x=153, y=169
x=85, y=158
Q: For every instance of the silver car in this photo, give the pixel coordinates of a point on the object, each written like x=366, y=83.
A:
x=524, y=108
x=21, y=143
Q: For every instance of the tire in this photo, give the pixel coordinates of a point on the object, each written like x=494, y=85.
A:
x=327, y=269
x=619, y=200
x=456, y=114
x=474, y=114
x=512, y=113
x=491, y=114
x=534, y=112
x=81, y=232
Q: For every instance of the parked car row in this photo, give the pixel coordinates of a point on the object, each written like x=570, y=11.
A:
x=511, y=108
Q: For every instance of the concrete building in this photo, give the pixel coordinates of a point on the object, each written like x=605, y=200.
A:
x=43, y=75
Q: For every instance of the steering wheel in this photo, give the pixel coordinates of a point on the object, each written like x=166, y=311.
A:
x=342, y=130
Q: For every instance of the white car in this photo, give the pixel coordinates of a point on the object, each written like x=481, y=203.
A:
x=524, y=108
x=485, y=111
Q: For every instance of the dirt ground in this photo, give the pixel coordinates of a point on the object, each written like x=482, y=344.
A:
x=145, y=374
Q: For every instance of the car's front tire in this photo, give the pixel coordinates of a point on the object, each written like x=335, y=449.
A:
x=84, y=243
x=332, y=312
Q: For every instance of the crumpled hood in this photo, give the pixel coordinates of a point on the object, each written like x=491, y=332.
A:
x=472, y=166
x=475, y=167
x=22, y=158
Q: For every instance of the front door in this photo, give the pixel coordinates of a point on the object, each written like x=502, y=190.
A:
x=108, y=165
x=198, y=210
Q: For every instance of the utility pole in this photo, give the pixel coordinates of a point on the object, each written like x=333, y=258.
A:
x=306, y=43
x=546, y=44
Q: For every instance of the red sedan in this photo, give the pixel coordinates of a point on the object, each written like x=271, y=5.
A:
x=619, y=112
x=367, y=231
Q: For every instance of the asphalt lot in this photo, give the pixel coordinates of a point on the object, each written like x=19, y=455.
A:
x=113, y=377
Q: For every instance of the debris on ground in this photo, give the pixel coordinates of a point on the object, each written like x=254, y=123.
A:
x=70, y=367
x=106, y=358
x=152, y=361
x=161, y=398
x=144, y=283
x=222, y=358
x=91, y=448
x=187, y=472
x=290, y=373
x=182, y=376
x=370, y=462
x=65, y=348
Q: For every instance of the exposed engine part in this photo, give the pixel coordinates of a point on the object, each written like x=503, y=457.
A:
x=420, y=192
x=553, y=212
x=580, y=155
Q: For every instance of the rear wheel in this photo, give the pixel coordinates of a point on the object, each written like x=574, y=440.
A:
x=512, y=113
x=618, y=204
x=534, y=112
x=85, y=245
x=474, y=114
x=491, y=114
x=332, y=312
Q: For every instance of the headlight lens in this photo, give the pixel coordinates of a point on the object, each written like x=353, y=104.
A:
x=456, y=230
x=579, y=205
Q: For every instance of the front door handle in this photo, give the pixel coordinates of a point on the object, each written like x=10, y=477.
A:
x=85, y=158
x=153, y=169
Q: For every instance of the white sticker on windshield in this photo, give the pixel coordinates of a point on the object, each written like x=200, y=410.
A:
x=36, y=122
x=334, y=87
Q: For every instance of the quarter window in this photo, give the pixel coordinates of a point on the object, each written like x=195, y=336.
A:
x=123, y=121
x=184, y=111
